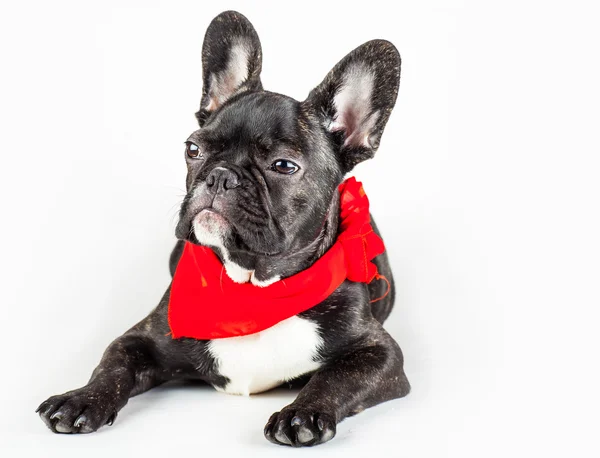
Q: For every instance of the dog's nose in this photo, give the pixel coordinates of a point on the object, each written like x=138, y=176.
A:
x=221, y=179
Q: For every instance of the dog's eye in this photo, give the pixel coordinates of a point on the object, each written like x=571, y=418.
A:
x=285, y=167
x=192, y=150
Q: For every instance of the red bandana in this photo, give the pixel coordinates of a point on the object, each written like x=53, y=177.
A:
x=206, y=304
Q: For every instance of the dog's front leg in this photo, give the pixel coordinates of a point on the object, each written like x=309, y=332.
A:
x=368, y=375
x=127, y=368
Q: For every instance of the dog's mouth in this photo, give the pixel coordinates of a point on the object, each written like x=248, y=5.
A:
x=210, y=214
x=211, y=221
x=211, y=227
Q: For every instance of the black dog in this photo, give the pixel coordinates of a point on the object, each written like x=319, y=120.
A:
x=263, y=172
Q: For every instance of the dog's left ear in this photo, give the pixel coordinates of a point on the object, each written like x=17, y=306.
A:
x=355, y=100
x=231, y=62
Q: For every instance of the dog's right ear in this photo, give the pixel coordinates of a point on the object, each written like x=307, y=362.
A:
x=231, y=62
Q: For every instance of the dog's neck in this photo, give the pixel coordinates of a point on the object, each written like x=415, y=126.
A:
x=262, y=270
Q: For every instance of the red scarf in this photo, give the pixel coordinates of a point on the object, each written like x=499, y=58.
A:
x=206, y=304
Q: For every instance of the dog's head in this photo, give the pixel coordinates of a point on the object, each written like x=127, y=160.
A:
x=263, y=168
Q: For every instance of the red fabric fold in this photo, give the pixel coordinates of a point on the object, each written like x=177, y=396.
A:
x=206, y=304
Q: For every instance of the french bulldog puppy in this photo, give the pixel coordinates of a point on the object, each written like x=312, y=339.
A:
x=262, y=192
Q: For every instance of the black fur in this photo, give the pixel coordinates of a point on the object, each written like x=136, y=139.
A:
x=274, y=225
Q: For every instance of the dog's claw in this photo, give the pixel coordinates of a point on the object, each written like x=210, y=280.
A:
x=44, y=408
x=111, y=419
x=81, y=419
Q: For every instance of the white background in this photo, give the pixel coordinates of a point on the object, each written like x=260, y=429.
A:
x=485, y=187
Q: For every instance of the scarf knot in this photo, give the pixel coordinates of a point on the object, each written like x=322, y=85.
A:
x=360, y=242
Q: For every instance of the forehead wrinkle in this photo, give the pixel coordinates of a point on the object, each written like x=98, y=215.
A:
x=262, y=121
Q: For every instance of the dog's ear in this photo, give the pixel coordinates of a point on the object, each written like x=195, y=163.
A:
x=231, y=62
x=355, y=100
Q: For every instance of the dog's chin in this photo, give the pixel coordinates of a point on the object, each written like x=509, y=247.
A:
x=211, y=228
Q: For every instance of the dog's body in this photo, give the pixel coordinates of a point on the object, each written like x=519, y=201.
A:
x=263, y=172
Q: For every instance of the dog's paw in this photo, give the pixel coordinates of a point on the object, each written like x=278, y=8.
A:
x=78, y=411
x=300, y=427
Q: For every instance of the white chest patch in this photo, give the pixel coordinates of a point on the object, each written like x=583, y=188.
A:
x=264, y=360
